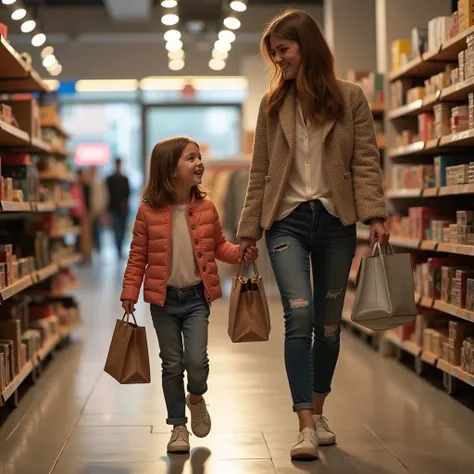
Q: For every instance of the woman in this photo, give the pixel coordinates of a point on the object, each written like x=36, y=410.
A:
x=315, y=173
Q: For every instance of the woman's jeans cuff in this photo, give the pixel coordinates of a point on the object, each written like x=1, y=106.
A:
x=176, y=421
x=321, y=394
x=303, y=406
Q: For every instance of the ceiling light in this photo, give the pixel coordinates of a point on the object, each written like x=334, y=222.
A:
x=222, y=46
x=49, y=61
x=52, y=84
x=175, y=45
x=227, y=36
x=232, y=23
x=28, y=26
x=172, y=35
x=169, y=19
x=8, y=2
x=219, y=54
x=47, y=51
x=176, y=54
x=238, y=5
x=56, y=70
x=169, y=3
x=19, y=14
x=217, y=64
x=106, y=85
x=38, y=40
x=176, y=64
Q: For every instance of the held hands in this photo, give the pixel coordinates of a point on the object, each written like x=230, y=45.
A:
x=248, y=250
x=378, y=232
x=128, y=306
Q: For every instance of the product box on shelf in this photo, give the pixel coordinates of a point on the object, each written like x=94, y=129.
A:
x=419, y=40
x=470, y=294
x=26, y=112
x=6, y=257
x=415, y=94
x=10, y=330
x=442, y=162
x=401, y=51
x=23, y=174
x=465, y=14
x=3, y=30
x=6, y=350
x=6, y=115
x=438, y=31
x=425, y=126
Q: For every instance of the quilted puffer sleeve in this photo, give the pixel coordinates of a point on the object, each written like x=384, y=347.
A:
x=224, y=250
x=137, y=260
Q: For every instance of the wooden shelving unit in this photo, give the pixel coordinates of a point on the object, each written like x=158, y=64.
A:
x=16, y=76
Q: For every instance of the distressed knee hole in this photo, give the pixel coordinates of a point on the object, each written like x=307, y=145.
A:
x=299, y=303
x=331, y=332
x=333, y=294
x=280, y=248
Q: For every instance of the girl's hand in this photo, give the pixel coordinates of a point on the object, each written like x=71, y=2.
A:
x=128, y=306
x=250, y=254
x=378, y=232
x=244, y=244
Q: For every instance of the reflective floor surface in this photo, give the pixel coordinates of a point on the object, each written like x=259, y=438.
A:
x=78, y=420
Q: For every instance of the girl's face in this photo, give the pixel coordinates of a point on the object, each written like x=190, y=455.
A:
x=286, y=55
x=190, y=169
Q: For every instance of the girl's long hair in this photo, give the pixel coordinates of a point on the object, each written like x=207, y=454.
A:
x=160, y=188
x=316, y=83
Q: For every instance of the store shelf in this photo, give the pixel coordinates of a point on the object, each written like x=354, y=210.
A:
x=429, y=245
x=56, y=234
x=405, y=242
x=71, y=260
x=408, y=346
x=16, y=288
x=453, y=310
x=415, y=108
x=418, y=67
x=456, y=372
x=69, y=204
x=414, y=149
x=12, y=206
x=57, y=127
x=16, y=74
x=52, y=176
x=363, y=234
x=403, y=193
x=47, y=206
x=11, y=136
x=461, y=139
x=426, y=302
x=13, y=386
x=45, y=273
x=377, y=109
x=48, y=347
x=458, y=92
x=429, y=357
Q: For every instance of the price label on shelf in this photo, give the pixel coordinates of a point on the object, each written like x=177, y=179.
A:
x=455, y=249
x=470, y=380
x=454, y=372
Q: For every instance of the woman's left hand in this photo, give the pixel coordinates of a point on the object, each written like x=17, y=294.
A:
x=378, y=232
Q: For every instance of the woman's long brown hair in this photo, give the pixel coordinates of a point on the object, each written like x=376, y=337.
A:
x=316, y=82
x=160, y=189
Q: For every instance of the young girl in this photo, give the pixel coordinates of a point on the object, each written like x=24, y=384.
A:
x=177, y=238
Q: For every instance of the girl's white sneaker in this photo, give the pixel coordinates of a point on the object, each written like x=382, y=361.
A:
x=325, y=435
x=306, y=446
x=179, y=441
x=200, y=418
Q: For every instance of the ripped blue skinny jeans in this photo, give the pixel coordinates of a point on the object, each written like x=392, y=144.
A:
x=311, y=239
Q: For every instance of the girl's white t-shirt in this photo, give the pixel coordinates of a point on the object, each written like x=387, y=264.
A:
x=184, y=270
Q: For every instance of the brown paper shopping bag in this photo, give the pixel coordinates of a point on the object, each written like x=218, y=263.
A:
x=127, y=360
x=249, y=317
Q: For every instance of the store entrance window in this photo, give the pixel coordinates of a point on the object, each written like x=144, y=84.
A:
x=216, y=128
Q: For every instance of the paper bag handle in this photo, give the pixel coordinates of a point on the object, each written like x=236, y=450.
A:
x=380, y=249
x=126, y=316
x=255, y=269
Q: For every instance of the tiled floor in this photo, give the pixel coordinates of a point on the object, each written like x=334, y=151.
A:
x=78, y=420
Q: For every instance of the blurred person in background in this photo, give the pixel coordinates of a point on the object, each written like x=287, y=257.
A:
x=315, y=173
x=98, y=205
x=119, y=192
x=80, y=213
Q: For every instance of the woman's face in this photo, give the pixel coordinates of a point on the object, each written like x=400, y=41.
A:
x=286, y=55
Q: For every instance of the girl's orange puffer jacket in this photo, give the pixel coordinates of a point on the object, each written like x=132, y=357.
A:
x=150, y=251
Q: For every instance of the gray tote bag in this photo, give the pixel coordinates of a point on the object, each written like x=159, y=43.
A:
x=385, y=297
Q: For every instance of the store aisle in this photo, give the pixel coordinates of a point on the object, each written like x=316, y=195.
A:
x=77, y=420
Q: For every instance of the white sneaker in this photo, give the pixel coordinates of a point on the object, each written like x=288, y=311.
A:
x=306, y=446
x=325, y=435
x=179, y=441
x=200, y=419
